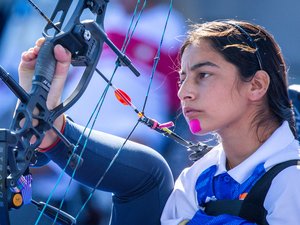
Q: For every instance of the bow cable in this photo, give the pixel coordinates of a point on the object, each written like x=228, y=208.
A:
x=157, y=57
x=109, y=83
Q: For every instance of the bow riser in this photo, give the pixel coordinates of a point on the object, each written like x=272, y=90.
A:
x=86, y=50
x=83, y=40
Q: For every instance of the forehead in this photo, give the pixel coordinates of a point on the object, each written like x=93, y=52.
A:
x=199, y=51
x=202, y=53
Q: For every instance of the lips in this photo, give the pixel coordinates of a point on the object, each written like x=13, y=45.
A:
x=191, y=113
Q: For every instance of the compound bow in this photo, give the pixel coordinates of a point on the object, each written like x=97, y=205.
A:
x=84, y=39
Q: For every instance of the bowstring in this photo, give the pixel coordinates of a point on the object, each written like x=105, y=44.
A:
x=99, y=106
x=157, y=57
x=123, y=49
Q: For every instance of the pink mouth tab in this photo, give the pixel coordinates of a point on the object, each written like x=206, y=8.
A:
x=195, y=126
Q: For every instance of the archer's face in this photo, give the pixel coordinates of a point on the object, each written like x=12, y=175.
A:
x=209, y=90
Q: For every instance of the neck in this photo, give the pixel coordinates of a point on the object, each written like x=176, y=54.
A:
x=239, y=144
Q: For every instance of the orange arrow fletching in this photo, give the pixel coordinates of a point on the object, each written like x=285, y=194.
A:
x=122, y=97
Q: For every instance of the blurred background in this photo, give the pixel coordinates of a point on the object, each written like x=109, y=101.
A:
x=21, y=25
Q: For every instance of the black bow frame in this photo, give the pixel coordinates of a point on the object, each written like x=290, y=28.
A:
x=84, y=39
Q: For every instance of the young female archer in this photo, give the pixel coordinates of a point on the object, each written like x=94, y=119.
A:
x=233, y=82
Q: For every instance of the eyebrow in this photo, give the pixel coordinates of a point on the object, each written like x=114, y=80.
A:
x=199, y=65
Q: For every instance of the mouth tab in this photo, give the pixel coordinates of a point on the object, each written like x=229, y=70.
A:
x=195, y=126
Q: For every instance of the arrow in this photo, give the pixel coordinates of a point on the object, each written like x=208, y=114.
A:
x=123, y=97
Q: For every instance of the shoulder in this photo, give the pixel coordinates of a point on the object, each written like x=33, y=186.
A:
x=183, y=203
x=283, y=197
x=287, y=178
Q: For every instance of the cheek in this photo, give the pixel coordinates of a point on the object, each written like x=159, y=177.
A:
x=223, y=98
x=226, y=91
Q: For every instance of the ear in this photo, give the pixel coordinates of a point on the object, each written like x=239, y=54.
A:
x=259, y=85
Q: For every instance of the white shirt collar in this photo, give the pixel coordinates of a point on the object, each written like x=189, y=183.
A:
x=281, y=139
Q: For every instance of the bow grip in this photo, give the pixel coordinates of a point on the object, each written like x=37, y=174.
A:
x=45, y=66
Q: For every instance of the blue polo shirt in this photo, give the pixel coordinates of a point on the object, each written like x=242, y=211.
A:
x=210, y=187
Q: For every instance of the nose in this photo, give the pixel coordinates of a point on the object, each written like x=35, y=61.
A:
x=186, y=90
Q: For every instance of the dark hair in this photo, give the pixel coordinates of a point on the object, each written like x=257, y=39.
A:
x=250, y=48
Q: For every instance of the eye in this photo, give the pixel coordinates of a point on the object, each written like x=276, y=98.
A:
x=181, y=79
x=180, y=82
x=204, y=75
